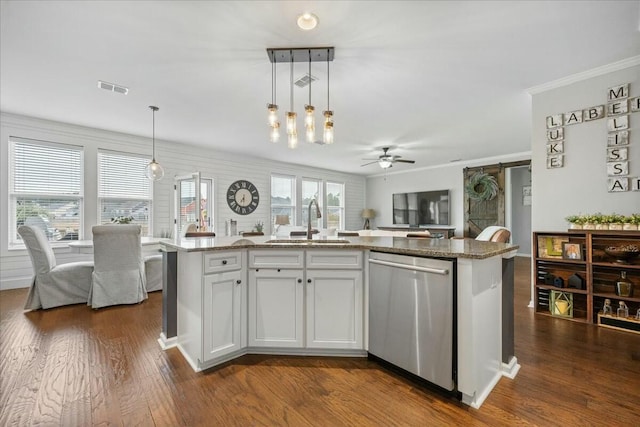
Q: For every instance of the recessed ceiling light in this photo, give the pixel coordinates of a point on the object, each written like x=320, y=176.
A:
x=307, y=21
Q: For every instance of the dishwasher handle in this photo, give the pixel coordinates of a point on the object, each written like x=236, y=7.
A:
x=441, y=271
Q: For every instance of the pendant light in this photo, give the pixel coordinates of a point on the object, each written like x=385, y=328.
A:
x=274, y=135
x=327, y=136
x=153, y=170
x=309, y=120
x=292, y=132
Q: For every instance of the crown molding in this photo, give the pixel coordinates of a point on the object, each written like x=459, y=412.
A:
x=595, y=72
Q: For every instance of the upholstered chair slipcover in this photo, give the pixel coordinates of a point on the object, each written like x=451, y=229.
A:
x=153, y=272
x=494, y=233
x=53, y=285
x=119, y=273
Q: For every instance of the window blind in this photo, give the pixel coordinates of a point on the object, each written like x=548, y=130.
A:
x=122, y=176
x=46, y=169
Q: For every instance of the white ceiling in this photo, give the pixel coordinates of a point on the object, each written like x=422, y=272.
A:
x=436, y=80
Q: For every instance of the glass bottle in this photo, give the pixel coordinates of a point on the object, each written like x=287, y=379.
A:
x=623, y=310
x=624, y=287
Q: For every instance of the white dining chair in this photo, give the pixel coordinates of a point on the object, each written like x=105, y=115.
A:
x=53, y=285
x=119, y=272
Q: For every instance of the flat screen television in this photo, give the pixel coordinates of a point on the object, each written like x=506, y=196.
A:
x=421, y=208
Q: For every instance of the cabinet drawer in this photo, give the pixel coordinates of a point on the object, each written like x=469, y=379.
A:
x=274, y=258
x=334, y=259
x=217, y=262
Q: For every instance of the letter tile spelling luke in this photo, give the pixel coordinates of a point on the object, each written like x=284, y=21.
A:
x=618, y=107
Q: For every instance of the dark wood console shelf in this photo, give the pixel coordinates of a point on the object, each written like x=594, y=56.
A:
x=599, y=272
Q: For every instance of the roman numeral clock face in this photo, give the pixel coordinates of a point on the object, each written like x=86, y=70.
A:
x=243, y=197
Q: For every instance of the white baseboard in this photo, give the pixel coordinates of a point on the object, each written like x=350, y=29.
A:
x=510, y=370
x=166, y=343
x=15, y=283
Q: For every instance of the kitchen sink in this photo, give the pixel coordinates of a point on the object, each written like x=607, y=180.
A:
x=307, y=241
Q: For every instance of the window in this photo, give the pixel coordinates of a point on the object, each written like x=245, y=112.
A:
x=124, y=192
x=335, y=205
x=283, y=200
x=45, y=188
x=311, y=189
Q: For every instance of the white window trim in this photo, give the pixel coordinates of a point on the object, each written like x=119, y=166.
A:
x=12, y=244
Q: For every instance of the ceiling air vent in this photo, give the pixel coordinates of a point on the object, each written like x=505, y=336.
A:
x=304, y=80
x=112, y=87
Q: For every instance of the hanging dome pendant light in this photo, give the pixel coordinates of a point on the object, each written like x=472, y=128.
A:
x=327, y=136
x=309, y=120
x=153, y=170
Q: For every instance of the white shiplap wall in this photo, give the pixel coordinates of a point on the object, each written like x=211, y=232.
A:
x=177, y=159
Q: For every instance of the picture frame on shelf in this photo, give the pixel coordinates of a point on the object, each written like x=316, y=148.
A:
x=572, y=251
x=551, y=246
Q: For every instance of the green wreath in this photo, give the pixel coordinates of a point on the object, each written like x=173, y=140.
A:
x=482, y=186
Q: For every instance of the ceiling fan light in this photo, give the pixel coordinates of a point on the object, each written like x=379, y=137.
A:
x=384, y=163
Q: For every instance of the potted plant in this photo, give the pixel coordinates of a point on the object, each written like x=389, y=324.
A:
x=259, y=226
x=631, y=222
x=122, y=220
x=575, y=222
x=615, y=221
x=600, y=221
x=589, y=222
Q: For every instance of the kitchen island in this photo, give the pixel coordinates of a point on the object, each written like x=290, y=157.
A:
x=235, y=296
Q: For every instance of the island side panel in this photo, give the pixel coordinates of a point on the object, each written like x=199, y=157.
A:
x=189, y=306
x=479, y=327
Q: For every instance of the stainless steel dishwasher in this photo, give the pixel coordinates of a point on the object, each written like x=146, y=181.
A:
x=411, y=315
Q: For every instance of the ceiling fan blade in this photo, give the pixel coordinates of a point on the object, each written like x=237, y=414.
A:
x=404, y=161
x=370, y=163
x=370, y=159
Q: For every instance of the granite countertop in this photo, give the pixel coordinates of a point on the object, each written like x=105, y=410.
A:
x=446, y=248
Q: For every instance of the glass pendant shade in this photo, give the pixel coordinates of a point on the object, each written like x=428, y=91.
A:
x=291, y=123
x=274, y=135
x=310, y=123
x=327, y=136
x=154, y=171
x=292, y=140
x=273, y=114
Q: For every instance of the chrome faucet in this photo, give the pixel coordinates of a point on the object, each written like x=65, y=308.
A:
x=318, y=215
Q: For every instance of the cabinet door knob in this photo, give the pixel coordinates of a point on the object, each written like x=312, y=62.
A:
x=308, y=280
x=224, y=262
x=278, y=270
x=299, y=280
x=238, y=282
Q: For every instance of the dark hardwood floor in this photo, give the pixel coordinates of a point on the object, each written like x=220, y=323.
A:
x=73, y=366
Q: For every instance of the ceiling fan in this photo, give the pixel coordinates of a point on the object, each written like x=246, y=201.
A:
x=386, y=160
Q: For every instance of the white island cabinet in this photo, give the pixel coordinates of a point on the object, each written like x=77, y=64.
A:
x=334, y=299
x=212, y=310
x=275, y=298
x=309, y=299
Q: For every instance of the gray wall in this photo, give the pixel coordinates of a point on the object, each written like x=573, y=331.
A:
x=380, y=188
x=581, y=185
x=520, y=224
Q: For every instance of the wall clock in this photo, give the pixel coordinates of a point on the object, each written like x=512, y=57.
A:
x=243, y=197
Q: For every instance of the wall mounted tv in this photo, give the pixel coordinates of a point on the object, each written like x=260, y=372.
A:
x=421, y=208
